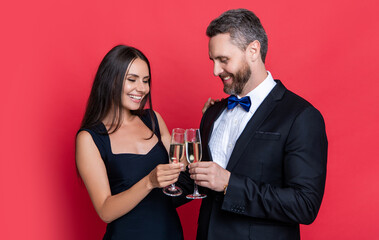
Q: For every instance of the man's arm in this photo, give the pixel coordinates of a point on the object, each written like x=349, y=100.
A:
x=304, y=172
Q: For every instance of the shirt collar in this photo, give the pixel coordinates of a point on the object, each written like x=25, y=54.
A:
x=258, y=94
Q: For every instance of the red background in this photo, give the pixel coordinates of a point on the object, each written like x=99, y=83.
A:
x=326, y=51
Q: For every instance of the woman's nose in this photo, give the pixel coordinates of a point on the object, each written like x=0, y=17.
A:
x=141, y=86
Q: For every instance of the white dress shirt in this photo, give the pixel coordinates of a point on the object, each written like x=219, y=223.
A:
x=229, y=126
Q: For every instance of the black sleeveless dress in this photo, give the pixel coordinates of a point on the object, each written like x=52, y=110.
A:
x=155, y=216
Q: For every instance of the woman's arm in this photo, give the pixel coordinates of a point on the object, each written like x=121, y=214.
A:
x=93, y=172
x=210, y=102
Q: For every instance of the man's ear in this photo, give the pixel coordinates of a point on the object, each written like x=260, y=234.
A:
x=253, y=51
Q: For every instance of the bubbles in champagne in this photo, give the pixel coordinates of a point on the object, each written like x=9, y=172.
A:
x=176, y=152
x=193, y=152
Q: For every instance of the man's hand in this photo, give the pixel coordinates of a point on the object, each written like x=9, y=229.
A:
x=209, y=175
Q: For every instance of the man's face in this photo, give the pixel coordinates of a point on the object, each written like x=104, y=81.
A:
x=229, y=63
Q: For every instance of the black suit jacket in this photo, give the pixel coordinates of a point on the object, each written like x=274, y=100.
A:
x=278, y=170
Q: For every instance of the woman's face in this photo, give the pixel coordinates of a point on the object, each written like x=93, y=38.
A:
x=136, y=85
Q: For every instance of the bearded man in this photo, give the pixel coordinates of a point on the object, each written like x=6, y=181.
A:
x=264, y=147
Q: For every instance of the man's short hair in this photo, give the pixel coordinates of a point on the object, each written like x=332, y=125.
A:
x=243, y=26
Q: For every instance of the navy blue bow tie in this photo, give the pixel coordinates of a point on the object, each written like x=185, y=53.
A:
x=244, y=102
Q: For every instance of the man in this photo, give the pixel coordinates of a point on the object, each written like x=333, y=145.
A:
x=264, y=148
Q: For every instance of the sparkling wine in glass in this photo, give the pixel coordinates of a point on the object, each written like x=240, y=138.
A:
x=193, y=151
x=176, y=154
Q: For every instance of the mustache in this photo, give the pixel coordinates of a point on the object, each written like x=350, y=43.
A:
x=226, y=74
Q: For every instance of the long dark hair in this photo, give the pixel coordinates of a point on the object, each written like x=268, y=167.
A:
x=107, y=88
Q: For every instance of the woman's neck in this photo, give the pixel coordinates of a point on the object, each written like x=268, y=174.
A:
x=113, y=117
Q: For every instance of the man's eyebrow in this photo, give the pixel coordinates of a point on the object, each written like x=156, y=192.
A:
x=217, y=58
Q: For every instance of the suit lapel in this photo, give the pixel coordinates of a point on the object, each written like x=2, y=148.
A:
x=256, y=120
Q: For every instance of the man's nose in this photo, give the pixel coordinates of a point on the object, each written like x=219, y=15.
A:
x=217, y=70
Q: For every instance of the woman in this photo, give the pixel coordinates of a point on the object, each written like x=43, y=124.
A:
x=121, y=151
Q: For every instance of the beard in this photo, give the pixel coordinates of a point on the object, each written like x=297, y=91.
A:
x=239, y=80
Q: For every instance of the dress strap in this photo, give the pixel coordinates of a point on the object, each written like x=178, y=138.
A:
x=146, y=117
x=100, y=137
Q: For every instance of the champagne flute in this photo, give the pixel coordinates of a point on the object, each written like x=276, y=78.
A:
x=176, y=155
x=193, y=153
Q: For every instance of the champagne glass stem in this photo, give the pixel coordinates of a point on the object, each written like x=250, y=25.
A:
x=195, y=190
x=176, y=153
x=193, y=151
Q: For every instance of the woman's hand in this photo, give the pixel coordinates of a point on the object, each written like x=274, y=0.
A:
x=164, y=175
x=209, y=103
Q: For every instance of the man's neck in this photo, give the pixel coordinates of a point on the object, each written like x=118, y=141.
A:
x=256, y=78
